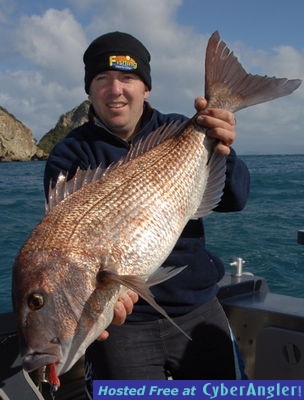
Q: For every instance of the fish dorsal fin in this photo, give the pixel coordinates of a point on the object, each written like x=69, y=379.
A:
x=155, y=138
x=229, y=86
x=64, y=187
x=214, y=186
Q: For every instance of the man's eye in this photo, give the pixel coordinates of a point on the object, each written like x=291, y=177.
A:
x=128, y=77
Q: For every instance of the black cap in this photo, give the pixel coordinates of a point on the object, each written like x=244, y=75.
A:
x=117, y=51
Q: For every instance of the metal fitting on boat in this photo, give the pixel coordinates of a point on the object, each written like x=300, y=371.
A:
x=237, y=266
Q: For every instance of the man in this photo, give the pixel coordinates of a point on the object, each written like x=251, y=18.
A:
x=146, y=346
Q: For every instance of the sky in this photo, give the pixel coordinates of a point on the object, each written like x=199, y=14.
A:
x=42, y=43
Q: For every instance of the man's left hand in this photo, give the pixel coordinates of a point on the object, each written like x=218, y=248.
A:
x=220, y=124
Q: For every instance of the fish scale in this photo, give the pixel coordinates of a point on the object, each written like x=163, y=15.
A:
x=157, y=204
x=87, y=213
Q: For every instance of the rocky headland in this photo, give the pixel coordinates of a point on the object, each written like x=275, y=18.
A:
x=68, y=121
x=17, y=142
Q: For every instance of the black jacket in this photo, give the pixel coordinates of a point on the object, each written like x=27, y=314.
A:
x=91, y=145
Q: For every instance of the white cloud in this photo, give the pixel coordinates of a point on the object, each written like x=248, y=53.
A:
x=54, y=42
x=43, y=75
x=36, y=102
x=146, y=18
x=287, y=61
x=47, y=79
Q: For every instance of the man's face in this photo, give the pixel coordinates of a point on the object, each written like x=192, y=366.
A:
x=118, y=98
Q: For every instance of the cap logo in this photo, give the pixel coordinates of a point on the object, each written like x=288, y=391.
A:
x=122, y=63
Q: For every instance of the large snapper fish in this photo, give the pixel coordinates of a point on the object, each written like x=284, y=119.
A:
x=111, y=230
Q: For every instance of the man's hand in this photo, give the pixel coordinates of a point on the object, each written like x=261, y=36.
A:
x=123, y=308
x=220, y=124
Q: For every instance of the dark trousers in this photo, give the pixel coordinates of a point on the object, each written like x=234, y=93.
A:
x=157, y=350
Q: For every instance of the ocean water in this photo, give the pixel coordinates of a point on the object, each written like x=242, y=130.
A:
x=264, y=234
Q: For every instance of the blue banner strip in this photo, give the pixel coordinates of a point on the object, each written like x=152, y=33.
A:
x=198, y=390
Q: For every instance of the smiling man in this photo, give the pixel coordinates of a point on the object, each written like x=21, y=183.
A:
x=118, y=83
x=118, y=99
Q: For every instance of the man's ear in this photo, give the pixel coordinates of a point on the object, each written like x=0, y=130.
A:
x=147, y=93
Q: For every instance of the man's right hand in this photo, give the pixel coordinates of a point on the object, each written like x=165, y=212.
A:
x=123, y=308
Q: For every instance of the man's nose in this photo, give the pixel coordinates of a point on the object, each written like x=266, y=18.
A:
x=116, y=86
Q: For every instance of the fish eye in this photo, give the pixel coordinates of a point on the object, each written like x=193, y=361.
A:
x=35, y=301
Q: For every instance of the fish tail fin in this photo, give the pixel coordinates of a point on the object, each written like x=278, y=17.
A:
x=229, y=86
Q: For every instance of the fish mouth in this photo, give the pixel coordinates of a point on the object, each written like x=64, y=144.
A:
x=33, y=361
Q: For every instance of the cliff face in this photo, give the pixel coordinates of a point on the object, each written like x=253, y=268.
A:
x=16, y=140
x=70, y=120
x=18, y=144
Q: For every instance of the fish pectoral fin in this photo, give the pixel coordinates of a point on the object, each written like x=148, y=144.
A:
x=164, y=273
x=139, y=285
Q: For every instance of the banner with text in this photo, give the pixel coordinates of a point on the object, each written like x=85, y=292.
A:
x=198, y=390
